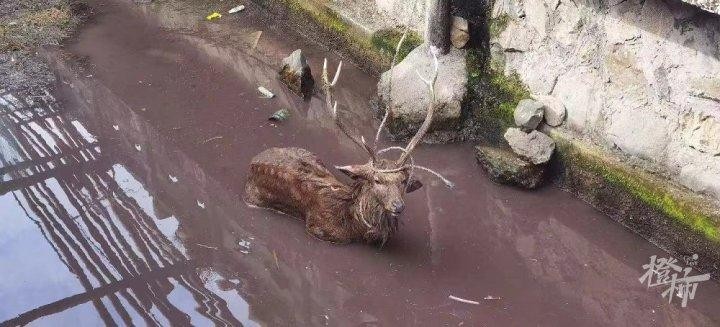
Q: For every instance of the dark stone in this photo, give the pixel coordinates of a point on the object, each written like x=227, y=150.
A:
x=505, y=167
x=296, y=74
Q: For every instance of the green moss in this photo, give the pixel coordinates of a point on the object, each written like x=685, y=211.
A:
x=498, y=25
x=386, y=42
x=647, y=189
x=319, y=13
x=374, y=49
x=509, y=90
x=492, y=96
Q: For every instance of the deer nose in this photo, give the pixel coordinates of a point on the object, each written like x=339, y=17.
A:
x=398, y=207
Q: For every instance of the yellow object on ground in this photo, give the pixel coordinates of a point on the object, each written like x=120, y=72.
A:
x=213, y=16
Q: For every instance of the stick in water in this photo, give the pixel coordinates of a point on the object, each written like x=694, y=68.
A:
x=452, y=297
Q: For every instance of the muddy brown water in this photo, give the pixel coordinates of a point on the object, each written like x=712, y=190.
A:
x=120, y=203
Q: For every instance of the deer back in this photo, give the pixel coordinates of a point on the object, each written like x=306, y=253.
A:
x=295, y=181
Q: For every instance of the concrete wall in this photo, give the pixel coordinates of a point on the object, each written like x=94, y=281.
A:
x=638, y=77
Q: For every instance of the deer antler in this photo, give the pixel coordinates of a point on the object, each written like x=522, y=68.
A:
x=392, y=67
x=329, y=86
x=428, y=118
x=413, y=166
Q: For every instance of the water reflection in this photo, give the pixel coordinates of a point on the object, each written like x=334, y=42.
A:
x=99, y=222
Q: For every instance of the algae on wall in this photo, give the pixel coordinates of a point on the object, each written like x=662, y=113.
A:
x=657, y=194
x=386, y=41
x=374, y=52
x=492, y=98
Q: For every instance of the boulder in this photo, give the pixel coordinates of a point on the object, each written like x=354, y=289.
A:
x=505, y=167
x=534, y=146
x=460, y=32
x=528, y=114
x=554, y=110
x=296, y=74
x=408, y=98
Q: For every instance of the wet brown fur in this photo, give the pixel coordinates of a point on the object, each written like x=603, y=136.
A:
x=294, y=181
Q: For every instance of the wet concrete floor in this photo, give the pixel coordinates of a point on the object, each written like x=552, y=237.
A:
x=120, y=203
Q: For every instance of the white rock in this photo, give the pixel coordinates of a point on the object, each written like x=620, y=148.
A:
x=460, y=32
x=535, y=146
x=410, y=96
x=554, y=110
x=236, y=9
x=528, y=114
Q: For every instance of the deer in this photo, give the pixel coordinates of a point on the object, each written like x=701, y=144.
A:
x=294, y=181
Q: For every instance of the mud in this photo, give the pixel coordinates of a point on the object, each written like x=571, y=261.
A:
x=120, y=198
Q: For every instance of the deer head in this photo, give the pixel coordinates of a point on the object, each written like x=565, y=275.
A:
x=381, y=184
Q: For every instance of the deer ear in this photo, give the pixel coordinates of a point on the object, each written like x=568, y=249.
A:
x=413, y=185
x=354, y=171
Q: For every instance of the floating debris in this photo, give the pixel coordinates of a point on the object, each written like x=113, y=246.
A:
x=257, y=39
x=138, y=147
x=173, y=178
x=206, y=246
x=265, y=92
x=236, y=9
x=116, y=127
x=245, y=244
x=200, y=204
x=214, y=15
x=455, y=298
x=212, y=139
x=490, y=297
x=280, y=115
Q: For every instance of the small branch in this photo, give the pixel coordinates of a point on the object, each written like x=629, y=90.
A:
x=211, y=139
x=206, y=246
x=452, y=297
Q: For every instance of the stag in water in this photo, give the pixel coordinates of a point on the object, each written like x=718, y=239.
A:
x=294, y=181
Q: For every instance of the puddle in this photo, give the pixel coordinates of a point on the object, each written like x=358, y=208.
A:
x=94, y=231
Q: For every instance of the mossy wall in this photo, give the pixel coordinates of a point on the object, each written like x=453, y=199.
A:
x=491, y=100
x=373, y=53
x=667, y=215
x=386, y=42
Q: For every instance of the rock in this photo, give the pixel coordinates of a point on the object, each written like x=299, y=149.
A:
x=460, y=32
x=410, y=96
x=296, y=74
x=554, y=110
x=505, y=167
x=528, y=114
x=534, y=146
x=708, y=5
